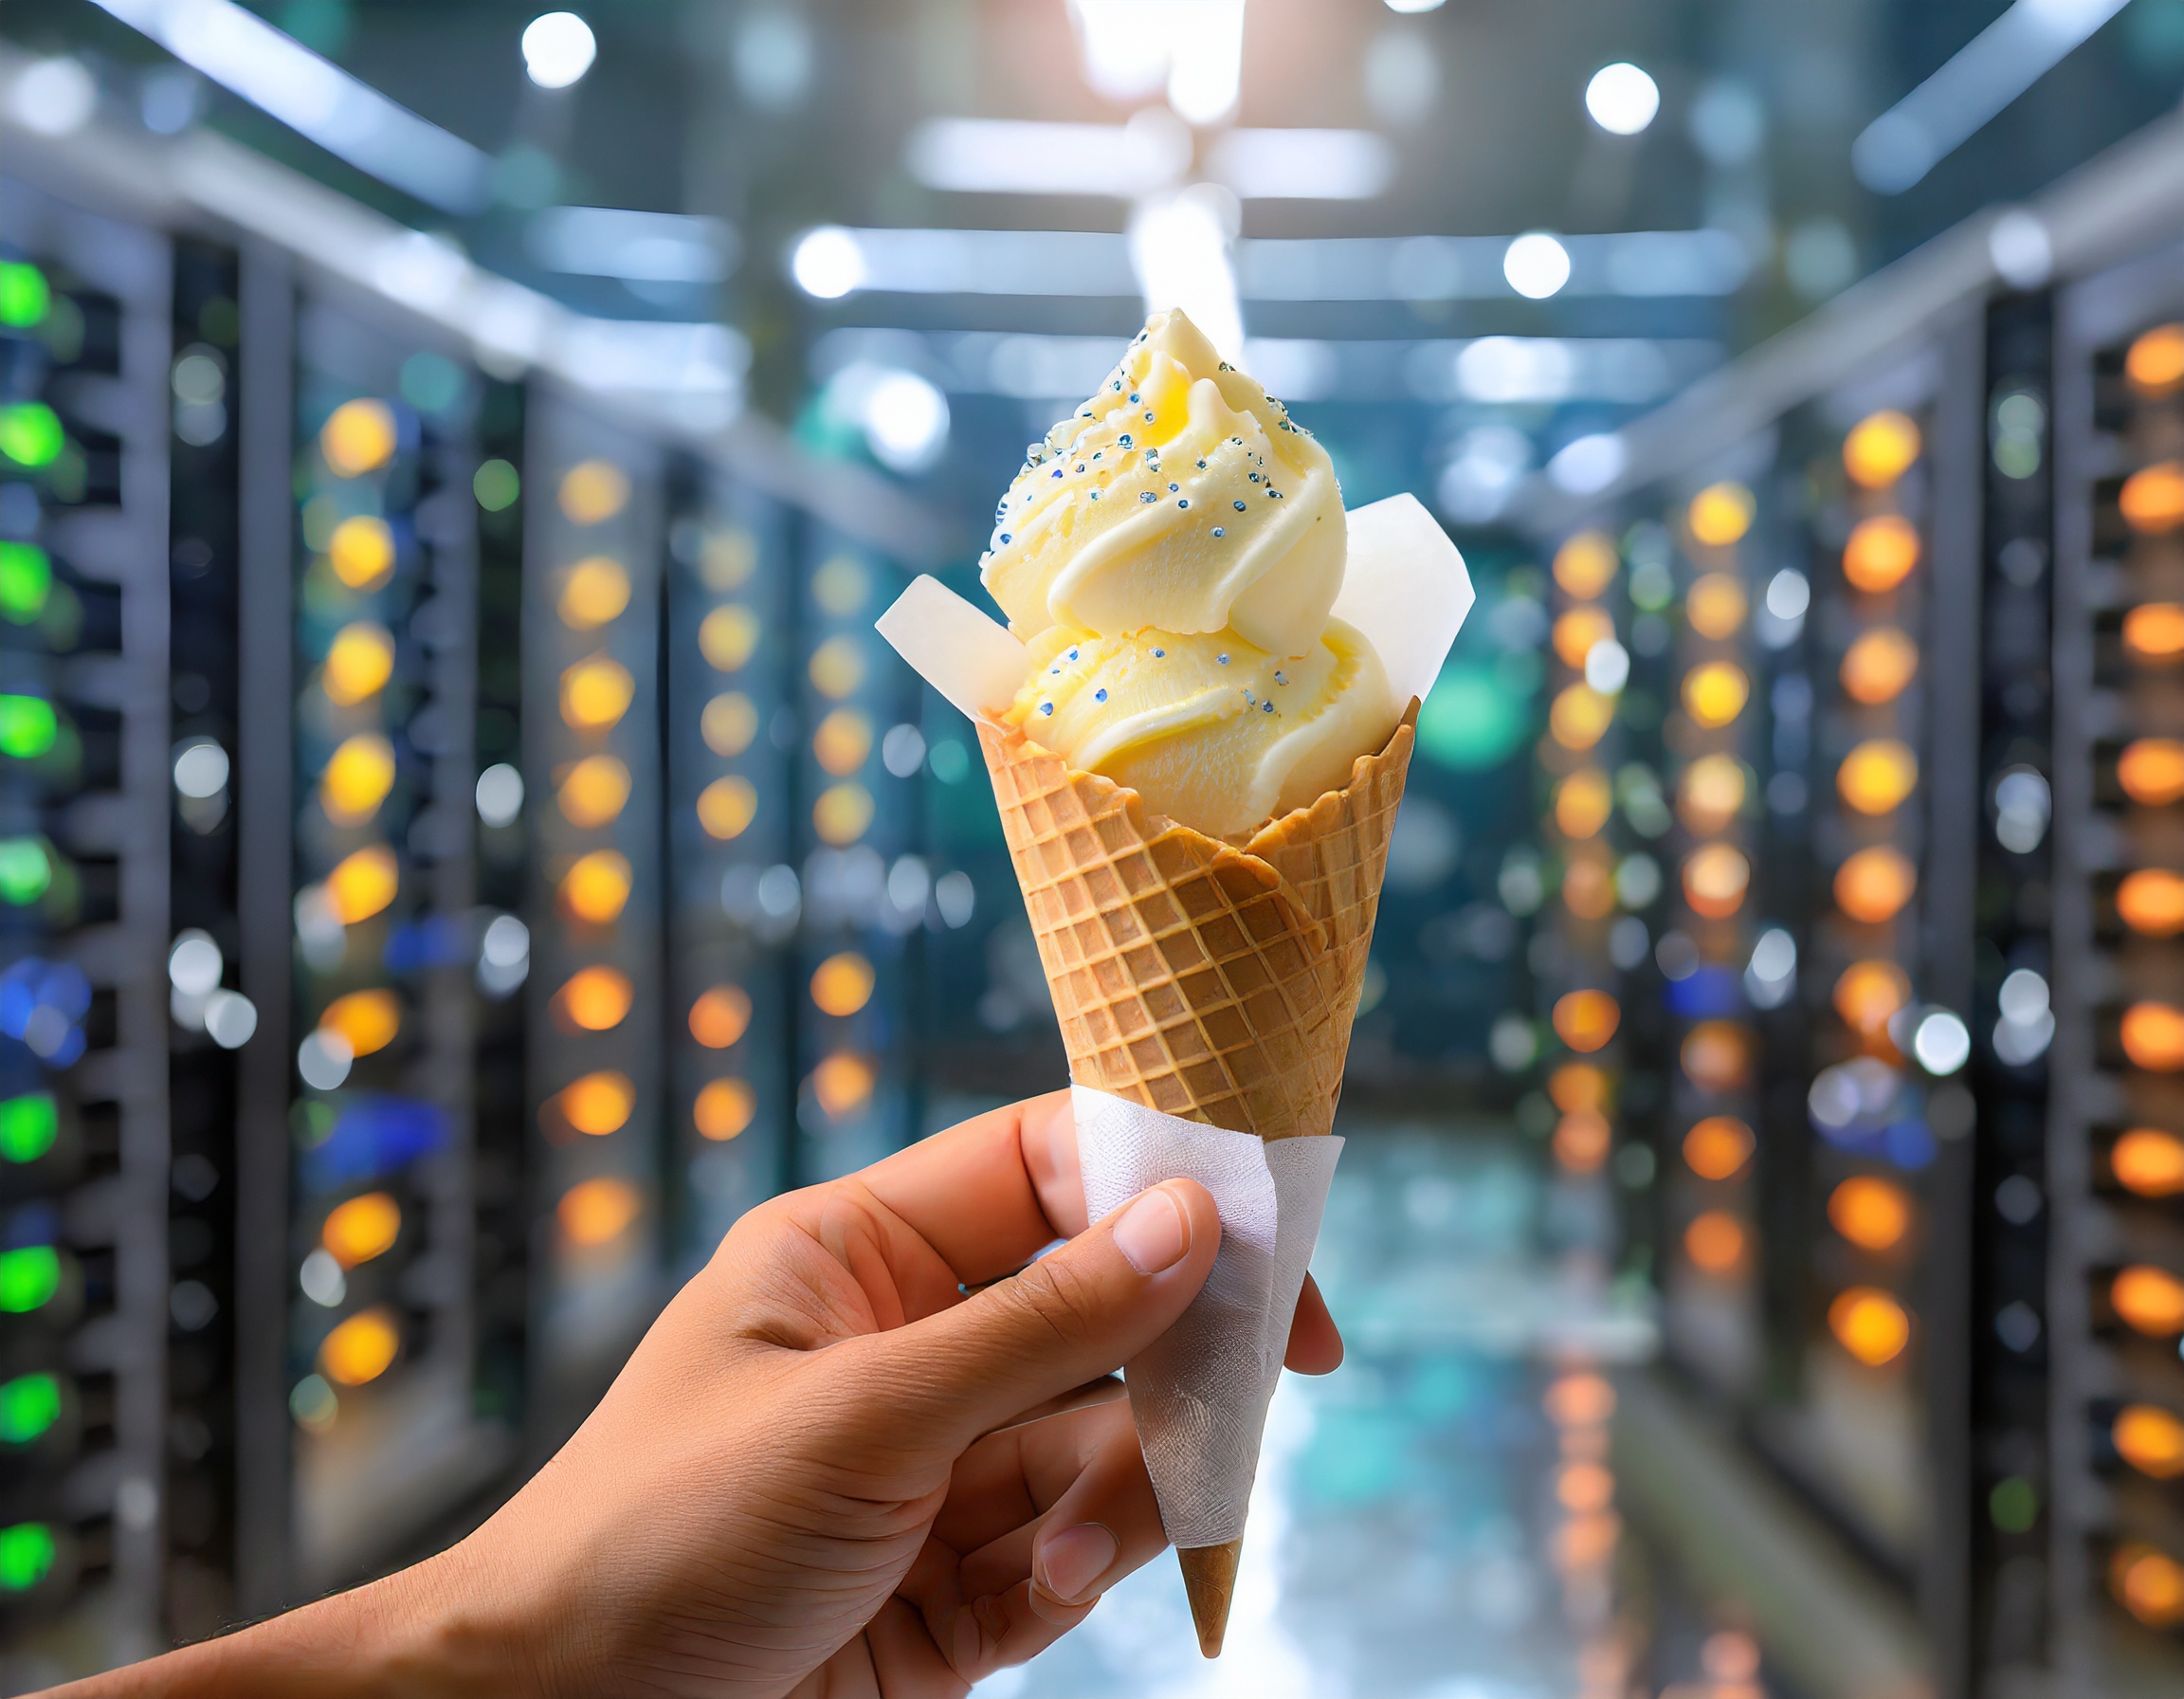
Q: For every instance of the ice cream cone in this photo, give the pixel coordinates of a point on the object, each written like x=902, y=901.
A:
x=1209, y=1580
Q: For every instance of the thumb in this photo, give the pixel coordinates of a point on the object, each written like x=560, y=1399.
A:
x=1079, y=1313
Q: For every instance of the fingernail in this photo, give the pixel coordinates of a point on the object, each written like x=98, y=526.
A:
x=1074, y=1559
x=1153, y=1234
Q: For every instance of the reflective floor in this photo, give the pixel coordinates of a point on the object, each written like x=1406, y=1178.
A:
x=1438, y=1518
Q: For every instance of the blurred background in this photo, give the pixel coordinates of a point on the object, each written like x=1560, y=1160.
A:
x=461, y=843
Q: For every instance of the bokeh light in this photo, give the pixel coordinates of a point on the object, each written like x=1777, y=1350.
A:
x=1579, y=1401
x=1715, y=1241
x=1710, y=793
x=361, y=1229
x=724, y=1109
x=359, y=663
x=598, y=1104
x=727, y=805
x=595, y=693
x=2148, y=1300
x=1583, y=802
x=1720, y=513
x=594, y=492
x=1715, y=879
x=595, y=791
x=596, y=998
x=1881, y=552
x=1716, y=1055
x=598, y=591
x=2153, y=1036
x=1575, y=632
x=720, y=1017
x=1579, y=717
x=2149, y=1584
x=2152, y=902
x=1869, y=1324
x=1581, y=1140
x=1577, y=1085
x=2152, y=499
x=842, y=813
x=1878, y=665
x=1585, y=1020
x=843, y=741
x=368, y=1019
x=1873, y=885
x=728, y=637
x=2150, y=1439
x=597, y=1212
x=2149, y=1161
x=1881, y=448
x=1868, y=994
x=842, y=983
x=1716, y=605
x=1589, y=882
x=360, y=1349
x=1717, y=1147
x=728, y=723
x=1715, y=693
x=2151, y=770
x=1871, y=1213
x=358, y=778
x=358, y=437
x=363, y=884
x=2154, y=361
x=1877, y=776
x=596, y=887
x=1585, y=565
x=837, y=667
x=2154, y=634
x=361, y=551
x=842, y=1084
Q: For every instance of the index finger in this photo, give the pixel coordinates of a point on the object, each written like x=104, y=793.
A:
x=989, y=1194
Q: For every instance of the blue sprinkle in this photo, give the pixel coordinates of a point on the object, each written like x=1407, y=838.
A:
x=1239, y=507
x=1053, y=672
x=1250, y=699
x=1275, y=493
x=1266, y=707
x=1117, y=387
x=1183, y=501
x=1004, y=537
x=1217, y=531
x=1173, y=487
x=1148, y=496
x=1073, y=654
x=1132, y=395
x=1148, y=418
x=1099, y=695
x=1125, y=439
x=1201, y=466
x=1223, y=659
x=1254, y=477
x=1159, y=654
x=1045, y=708
x=1279, y=679
x=1056, y=472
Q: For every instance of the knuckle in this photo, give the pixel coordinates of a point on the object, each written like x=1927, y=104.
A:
x=1061, y=1298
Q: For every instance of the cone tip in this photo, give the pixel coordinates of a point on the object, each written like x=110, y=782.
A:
x=1209, y=1580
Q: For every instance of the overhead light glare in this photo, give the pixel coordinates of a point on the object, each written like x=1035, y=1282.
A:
x=558, y=47
x=1536, y=265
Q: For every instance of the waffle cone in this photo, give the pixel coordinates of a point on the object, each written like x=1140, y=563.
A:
x=1209, y=1583
x=1205, y=979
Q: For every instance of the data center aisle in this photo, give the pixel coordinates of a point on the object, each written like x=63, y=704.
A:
x=1438, y=1518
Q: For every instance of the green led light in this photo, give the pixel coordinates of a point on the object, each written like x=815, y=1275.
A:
x=31, y=434
x=1471, y=720
x=25, y=874
x=27, y=726
x=496, y=485
x=25, y=1555
x=29, y=1404
x=24, y=297
x=29, y=1125
x=26, y=581
x=28, y=1279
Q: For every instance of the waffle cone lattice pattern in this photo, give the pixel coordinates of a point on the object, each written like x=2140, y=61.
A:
x=1190, y=976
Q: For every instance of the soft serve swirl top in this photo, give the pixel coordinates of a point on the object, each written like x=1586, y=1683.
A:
x=1171, y=552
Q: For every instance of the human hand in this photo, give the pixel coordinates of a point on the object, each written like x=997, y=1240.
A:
x=797, y=1485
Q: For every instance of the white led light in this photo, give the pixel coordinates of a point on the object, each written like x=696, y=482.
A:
x=507, y=940
x=231, y=1018
x=325, y=1059
x=1621, y=99
x=1536, y=265
x=1941, y=1043
x=558, y=47
x=827, y=263
x=1789, y=593
x=1607, y=667
x=499, y=795
x=201, y=769
x=54, y=96
x=905, y=421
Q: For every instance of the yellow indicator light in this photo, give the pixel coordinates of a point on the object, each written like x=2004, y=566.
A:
x=2148, y=1161
x=1715, y=693
x=595, y=693
x=1715, y=878
x=1881, y=552
x=1716, y=1055
x=363, y=884
x=728, y=723
x=359, y=664
x=1717, y=1147
x=843, y=984
x=1584, y=566
x=1876, y=776
x=361, y=1229
x=2151, y=771
x=842, y=1084
x=2152, y=902
x=1871, y=1213
x=2153, y=1035
x=842, y=813
x=1580, y=717
x=728, y=637
x=595, y=791
x=358, y=438
x=2149, y=1584
x=1869, y=1324
x=598, y=1104
x=1716, y=605
x=2149, y=1300
x=598, y=591
x=361, y=551
x=2152, y=499
x=727, y=805
x=1878, y=665
x=593, y=491
x=843, y=741
x=1578, y=1085
x=1720, y=513
x=720, y=1017
x=1583, y=802
x=368, y=1019
x=597, y=1212
x=1710, y=793
x=1880, y=449
x=1581, y=1140
x=1873, y=885
x=2154, y=634
x=1585, y=1020
x=1715, y=1243
x=596, y=887
x=1578, y=630
x=360, y=1349
x=358, y=778
x=724, y=1109
x=2150, y=1440
x=2155, y=362
x=596, y=998
x=1868, y=994
x=837, y=667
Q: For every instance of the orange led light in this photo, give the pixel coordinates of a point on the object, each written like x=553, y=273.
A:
x=727, y=805
x=1715, y=1242
x=1868, y=994
x=720, y=1017
x=593, y=491
x=728, y=723
x=1717, y=1055
x=2154, y=361
x=2154, y=634
x=1715, y=693
x=363, y=884
x=596, y=998
x=1710, y=793
x=1870, y=1213
x=2149, y=1300
x=2153, y=1035
x=1585, y=1020
x=728, y=637
x=358, y=664
x=596, y=887
x=2152, y=902
x=1873, y=885
x=1716, y=605
x=2152, y=499
x=2148, y=1161
x=2151, y=770
x=842, y=741
x=361, y=1229
x=1881, y=552
x=2149, y=1584
x=598, y=1104
x=1584, y=1487
x=1880, y=449
x=598, y=591
x=1717, y=1147
x=1878, y=665
x=362, y=553
x=1876, y=776
x=1578, y=630
x=1588, y=882
x=2150, y=1440
x=1869, y=1324
x=837, y=667
x=368, y=1019
x=1578, y=1085
x=360, y=1349
x=842, y=813
x=842, y=1084
x=1720, y=513
x=358, y=778
x=842, y=983
x=1579, y=1401
x=597, y=1212
x=595, y=791
x=724, y=1109
x=358, y=437
x=595, y=693
x=1585, y=565
x=1581, y=1140
x=1715, y=878
x=1579, y=717
x=1583, y=802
